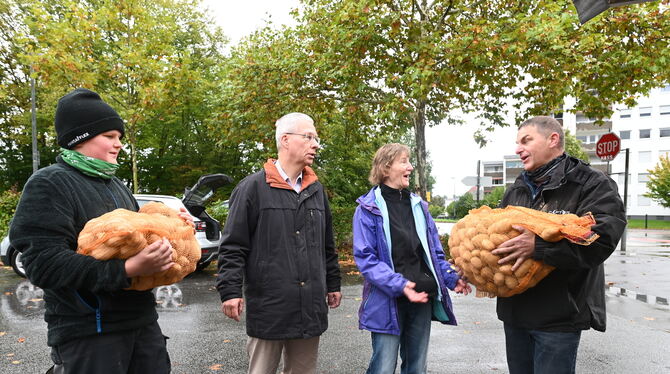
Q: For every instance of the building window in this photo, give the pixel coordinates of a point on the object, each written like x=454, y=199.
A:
x=664, y=132
x=582, y=139
x=514, y=164
x=643, y=177
x=593, y=139
x=664, y=110
x=625, y=134
x=621, y=178
x=644, y=156
x=643, y=200
x=645, y=111
x=624, y=113
x=645, y=133
x=497, y=181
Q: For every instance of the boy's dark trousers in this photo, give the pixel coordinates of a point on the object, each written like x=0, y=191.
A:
x=140, y=351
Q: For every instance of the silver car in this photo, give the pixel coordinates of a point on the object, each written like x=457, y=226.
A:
x=207, y=229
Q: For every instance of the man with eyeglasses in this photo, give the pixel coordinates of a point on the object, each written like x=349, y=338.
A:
x=278, y=245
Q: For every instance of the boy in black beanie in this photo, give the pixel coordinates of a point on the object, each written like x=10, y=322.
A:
x=94, y=324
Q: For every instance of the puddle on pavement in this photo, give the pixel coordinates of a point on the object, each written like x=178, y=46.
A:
x=644, y=298
x=25, y=300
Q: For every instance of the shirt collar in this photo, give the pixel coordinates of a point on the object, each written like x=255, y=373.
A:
x=298, y=181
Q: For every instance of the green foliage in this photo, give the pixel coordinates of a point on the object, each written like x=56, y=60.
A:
x=414, y=64
x=219, y=211
x=342, y=229
x=652, y=224
x=155, y=62
x=8, y=201
x=462, y=206
x=493, y=198
x=444, y=239
x=435, y=210
x=437, y=200
x=573, y=147
x=659, y=182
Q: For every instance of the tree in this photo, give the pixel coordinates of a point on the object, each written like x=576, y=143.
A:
x=438, y=200
x=493, y=198
x=462, y=206
x=416, y=63
x=659, y=182
x=573, y=147
x=154, y=61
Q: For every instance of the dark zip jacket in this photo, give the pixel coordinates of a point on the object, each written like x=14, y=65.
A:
x=279, y=244
x=572, y=297
x=83, y=296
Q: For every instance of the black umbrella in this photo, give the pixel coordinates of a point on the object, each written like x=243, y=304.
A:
x=588, y=9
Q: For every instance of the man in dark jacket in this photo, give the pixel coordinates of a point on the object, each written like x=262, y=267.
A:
x=543, y=324
x=278, y=242
x=94, y=324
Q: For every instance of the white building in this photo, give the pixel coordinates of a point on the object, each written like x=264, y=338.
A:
x=645, y=131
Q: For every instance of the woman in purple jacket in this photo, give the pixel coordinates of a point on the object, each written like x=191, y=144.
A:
x=398, y=251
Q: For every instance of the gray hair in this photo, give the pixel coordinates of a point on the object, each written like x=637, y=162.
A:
x=288, y=123
x=546, y=125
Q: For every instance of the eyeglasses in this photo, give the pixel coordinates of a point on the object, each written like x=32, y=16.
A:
x=307, y=137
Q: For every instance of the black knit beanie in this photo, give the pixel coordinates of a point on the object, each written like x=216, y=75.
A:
x=81, y=115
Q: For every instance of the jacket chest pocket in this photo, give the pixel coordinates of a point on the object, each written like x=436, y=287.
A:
x=315, y=227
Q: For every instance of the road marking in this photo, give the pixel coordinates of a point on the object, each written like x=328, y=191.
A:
x=645, y=298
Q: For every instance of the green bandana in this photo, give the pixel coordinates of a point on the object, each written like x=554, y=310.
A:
x=88, y=165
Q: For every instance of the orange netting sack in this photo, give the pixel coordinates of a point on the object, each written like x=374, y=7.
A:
x=123, y=233
x=474, y=237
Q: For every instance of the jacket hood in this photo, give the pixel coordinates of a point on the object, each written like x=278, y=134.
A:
x=274, y=179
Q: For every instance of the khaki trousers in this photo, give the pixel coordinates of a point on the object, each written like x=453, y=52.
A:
x=299, y=355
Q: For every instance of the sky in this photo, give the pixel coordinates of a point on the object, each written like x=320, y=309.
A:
x=453, y=151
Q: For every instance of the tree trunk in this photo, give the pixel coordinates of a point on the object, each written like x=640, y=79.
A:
x=419, y=119
x=133, y=159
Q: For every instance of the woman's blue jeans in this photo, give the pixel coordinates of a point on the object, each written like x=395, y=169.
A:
x=541, y=352
x=412, y=343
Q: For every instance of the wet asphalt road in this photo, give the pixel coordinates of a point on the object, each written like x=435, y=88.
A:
x=202, y=340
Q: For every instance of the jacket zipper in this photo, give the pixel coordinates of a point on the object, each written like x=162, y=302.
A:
x=98, y=313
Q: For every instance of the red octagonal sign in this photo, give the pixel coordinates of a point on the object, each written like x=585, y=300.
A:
x=608, y=146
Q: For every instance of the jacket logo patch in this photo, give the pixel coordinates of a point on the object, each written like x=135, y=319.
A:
x=559, y=212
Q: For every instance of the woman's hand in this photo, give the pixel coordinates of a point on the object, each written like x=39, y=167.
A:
x=413, y=296
x=462, y=287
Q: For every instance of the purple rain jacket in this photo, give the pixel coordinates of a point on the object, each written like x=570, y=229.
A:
x=372, y=253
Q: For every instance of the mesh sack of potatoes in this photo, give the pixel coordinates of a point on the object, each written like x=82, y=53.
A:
x=482, y=230
x=122, y=233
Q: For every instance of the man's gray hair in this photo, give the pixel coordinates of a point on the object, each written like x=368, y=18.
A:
x=546, y=125
x=288, y=123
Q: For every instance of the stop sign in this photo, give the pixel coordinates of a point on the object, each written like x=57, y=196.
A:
x=608, y=146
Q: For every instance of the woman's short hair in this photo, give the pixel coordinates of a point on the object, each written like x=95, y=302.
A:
x=383, y=160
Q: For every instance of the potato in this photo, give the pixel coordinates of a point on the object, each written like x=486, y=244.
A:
x=487, y=273
x=523, y=269
x=499, y=279
x=511, y=282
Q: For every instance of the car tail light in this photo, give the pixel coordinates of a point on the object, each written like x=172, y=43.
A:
x=200, y=225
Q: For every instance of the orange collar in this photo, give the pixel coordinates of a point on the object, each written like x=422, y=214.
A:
x=274, y=179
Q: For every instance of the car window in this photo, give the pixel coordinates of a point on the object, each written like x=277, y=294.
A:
x=172, y=203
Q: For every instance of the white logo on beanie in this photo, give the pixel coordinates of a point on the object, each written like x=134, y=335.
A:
x=78, y=138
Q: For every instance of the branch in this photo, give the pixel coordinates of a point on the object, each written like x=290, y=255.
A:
x=445, y=14
x=421, y=11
